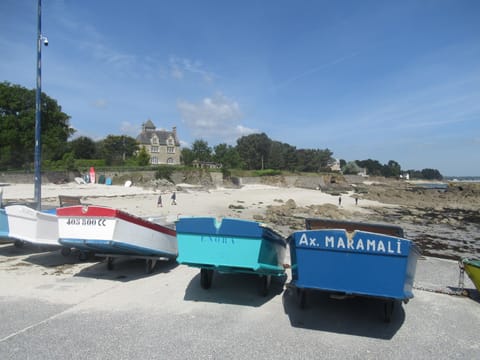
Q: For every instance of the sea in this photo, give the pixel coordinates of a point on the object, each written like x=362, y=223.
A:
x=474, y=179
x=443, y=184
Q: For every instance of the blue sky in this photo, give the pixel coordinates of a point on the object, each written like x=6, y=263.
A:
x=386, y=80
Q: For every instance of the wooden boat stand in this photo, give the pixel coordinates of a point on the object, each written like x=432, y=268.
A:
x=67, y=200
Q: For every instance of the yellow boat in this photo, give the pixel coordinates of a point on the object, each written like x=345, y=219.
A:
x=472, y=268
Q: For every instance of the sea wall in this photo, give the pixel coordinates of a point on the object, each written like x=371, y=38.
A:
x=197, y=177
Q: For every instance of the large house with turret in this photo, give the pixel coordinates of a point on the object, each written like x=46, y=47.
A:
x=163, y=146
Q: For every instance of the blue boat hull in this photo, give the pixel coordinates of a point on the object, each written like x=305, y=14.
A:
x=4, y=231
x=232, y=245
x=367, y=264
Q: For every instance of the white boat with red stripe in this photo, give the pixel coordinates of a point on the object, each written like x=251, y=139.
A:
x=104, y=230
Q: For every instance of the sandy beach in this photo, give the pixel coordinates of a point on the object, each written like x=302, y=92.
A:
x=444, y=224
x=244, y=202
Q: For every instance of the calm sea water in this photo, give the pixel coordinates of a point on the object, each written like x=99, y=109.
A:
x=475, y=179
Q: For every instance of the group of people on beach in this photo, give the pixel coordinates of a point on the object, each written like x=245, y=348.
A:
x=173, y=198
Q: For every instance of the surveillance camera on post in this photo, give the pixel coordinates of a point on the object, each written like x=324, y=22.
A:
x=45, y=40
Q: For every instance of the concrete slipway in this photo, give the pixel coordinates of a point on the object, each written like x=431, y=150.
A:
x=52, y=307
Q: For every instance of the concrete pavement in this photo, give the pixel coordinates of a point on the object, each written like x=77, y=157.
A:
x=52, y=307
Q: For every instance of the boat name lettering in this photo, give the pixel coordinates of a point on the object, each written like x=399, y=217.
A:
x=386, y=246
x=218, y=239
x=86, y=222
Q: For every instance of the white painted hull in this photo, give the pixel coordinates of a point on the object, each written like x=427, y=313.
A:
x=33, y=226
x=100, y=231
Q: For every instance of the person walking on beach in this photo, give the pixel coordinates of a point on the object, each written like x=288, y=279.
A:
x=174, y=198
x=339, y=201
x=159, y=201
x=356, y=200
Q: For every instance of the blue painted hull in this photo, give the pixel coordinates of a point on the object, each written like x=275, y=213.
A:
x=3, y=225
x=230, y=246
x=366, y=263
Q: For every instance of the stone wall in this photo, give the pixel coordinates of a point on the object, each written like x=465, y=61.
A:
x=29, y=177
x=196, y=177
x=16, y=178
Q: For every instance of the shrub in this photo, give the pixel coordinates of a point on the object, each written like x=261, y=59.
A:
x=164, y=172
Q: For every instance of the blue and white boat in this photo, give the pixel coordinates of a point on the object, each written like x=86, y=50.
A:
x=230, y=246
x=360, y=263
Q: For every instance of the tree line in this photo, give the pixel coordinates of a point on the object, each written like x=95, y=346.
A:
x=251, y=152
x=391, y=169
x=259, y=152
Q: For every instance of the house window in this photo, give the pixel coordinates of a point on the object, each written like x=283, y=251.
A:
x=170, y=142
x=154, y=160
x=170, y=161
x=170, y=150
x=154, y=140
x=154, y=149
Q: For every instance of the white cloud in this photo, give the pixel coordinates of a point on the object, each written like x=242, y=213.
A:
x=179, y=67
x=215, y=119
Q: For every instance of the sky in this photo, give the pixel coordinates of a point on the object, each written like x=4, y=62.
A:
x=383, y=80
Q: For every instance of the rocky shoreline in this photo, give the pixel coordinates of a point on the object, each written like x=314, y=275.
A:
x=444, y=222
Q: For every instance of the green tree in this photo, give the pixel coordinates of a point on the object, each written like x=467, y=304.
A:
x=431, y=174
x=311, y=160
x=68, y=160
x=17, y=127
x=227, y=155
x=201, y=150
x=374, y=167
x=143, y=158
x=351, y=168
x=282, y=156
x=83, y=148
x=187, y=156
x=427, y=174
x=254, y=150
x=392, y=169
x=116, y=149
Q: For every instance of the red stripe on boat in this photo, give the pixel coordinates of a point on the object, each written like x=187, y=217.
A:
x=103, y=212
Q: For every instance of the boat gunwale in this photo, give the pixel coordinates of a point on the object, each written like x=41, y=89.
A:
x=78, y=211
x=265, y=233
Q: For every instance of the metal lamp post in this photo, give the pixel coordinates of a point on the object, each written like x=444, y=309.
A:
x=38, y=114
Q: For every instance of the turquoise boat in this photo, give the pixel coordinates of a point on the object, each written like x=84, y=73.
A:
x=230, y=246
x=4, y=232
